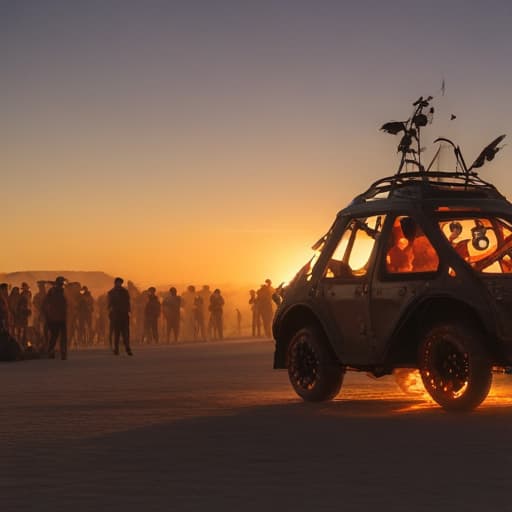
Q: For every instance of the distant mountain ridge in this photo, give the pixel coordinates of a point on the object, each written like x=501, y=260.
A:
x=98, y=282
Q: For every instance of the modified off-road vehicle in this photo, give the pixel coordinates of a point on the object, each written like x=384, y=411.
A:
x=415, y=273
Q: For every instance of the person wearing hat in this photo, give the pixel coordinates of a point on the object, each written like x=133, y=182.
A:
x=55, y=311
x=119, y=313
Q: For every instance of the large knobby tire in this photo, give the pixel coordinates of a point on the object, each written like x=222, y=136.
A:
x=314, y=372
x=454, y=366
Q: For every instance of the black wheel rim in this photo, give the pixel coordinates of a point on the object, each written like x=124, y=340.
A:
x=447, y=367
x=304, y=364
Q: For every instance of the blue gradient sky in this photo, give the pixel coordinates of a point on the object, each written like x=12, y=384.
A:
x=216, y=140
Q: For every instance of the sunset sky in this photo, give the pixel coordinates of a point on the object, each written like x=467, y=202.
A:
x=214, y=141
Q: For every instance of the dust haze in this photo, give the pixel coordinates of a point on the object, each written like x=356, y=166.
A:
x=86, y=293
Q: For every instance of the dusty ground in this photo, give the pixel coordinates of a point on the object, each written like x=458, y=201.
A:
x=213, y=427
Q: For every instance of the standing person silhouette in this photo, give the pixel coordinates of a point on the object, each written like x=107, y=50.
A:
x=216, y=310
x=187, y=302
x=199, y=325
x=151, y=315
x=55, y=309
x=23, y=312
x=84, y=309
x=38, y=319
x=14, y=298
x=5, y=315
x=172, y=308
x=205, y=295
x=256, y=317
x=264, y=296
x=119, y=312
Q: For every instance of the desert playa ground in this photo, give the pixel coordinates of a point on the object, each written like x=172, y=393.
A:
x=213, y=427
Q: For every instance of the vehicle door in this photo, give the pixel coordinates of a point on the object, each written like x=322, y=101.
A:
x=408, y=263
x=344, y=287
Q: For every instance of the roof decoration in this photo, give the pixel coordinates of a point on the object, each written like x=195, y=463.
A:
x=424, y=181
x=410, y=141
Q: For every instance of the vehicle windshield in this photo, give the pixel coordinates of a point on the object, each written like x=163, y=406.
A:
x=351, y=257
x=485, y=243
x=306, y=271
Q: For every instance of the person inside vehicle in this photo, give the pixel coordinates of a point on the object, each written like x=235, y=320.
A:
x=398, y=259
x=411, y=251
x=424, y=257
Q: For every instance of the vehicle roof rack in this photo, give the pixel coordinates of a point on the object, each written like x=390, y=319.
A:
x=429, y=184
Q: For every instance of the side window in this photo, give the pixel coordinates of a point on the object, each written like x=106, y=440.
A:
x=409, y=250
x=484, y=243
x=352, y=255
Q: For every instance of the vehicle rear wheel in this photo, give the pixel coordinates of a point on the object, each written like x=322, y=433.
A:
x=314, y=372
x=454, y=367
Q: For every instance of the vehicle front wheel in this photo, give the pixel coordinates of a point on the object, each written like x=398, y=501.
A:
x=455, y=368
x=314, y=372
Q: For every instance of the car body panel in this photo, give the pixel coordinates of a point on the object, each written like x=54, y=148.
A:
x=364, y=317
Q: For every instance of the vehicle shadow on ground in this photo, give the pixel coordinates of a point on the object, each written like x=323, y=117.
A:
x=291, y=455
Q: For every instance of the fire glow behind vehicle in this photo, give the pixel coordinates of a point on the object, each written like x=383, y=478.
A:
x=415, y=273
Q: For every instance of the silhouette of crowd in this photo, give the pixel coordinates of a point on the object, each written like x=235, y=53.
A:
x=263, y=302
x=67, y=313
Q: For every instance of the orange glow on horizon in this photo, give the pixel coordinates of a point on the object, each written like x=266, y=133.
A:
x=163, y=254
